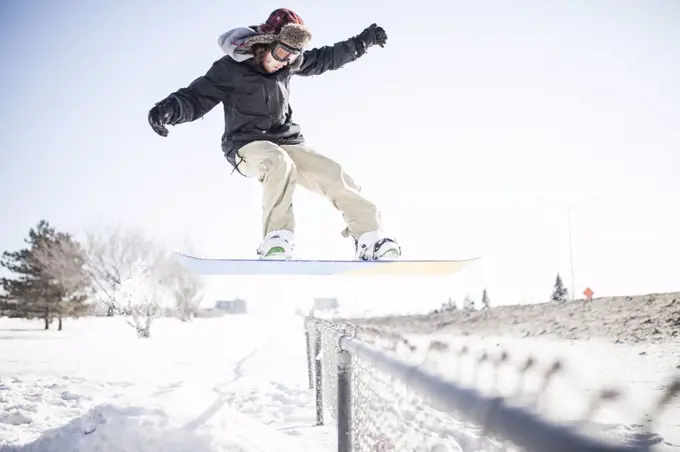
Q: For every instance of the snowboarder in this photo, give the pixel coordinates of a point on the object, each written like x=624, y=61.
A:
x=260, y=139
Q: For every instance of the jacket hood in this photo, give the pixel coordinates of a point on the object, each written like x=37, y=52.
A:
x=231, y=42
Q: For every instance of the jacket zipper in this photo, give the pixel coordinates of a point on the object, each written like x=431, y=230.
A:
x=266, y=99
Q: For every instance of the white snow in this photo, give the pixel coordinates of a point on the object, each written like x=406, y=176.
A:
x=237, y=383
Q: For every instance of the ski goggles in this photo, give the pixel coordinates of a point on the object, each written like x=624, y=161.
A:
x=284, y=53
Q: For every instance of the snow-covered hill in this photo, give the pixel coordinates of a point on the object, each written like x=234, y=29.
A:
x=647, y=318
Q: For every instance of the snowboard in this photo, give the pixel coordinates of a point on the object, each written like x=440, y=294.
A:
x=305, y=267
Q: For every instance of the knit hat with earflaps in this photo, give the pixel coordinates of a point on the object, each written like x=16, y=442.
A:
x=282, y=25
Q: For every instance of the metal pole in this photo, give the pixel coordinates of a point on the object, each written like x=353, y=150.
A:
x=318, y=367
x=344, y=401
x=568, y=207
x=571, y=251
x=310, y=360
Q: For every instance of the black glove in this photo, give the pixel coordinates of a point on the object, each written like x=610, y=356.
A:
x=369, y=37
x=163, y=113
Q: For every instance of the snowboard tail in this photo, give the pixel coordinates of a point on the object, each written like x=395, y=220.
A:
x=204, y=266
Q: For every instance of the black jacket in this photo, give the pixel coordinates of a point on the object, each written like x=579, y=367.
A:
x=255, y=103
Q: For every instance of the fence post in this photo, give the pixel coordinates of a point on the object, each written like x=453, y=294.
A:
x=310, y=358
x=318, y=367
x=344, y=401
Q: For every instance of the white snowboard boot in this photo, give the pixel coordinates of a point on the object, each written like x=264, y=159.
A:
x=277, y=245
x=373, y=246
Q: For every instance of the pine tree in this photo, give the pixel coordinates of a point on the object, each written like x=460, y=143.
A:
x=468, y=303
x=50, y=279
x=486, y=304
x=559, y=291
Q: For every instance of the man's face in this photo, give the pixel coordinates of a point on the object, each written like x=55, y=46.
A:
x=270, y=64
x=279, y=56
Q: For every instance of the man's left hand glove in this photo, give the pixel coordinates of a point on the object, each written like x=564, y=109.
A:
x=369, y=37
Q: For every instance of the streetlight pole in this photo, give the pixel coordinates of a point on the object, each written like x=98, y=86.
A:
x=569, y=207
x=571, y=251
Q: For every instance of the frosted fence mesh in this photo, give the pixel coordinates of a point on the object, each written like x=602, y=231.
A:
x=386, y=414
x=389, y=416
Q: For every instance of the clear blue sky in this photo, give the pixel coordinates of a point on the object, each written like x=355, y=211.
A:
x=470, y=113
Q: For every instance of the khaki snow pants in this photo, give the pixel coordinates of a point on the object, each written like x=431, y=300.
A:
x=281, y=168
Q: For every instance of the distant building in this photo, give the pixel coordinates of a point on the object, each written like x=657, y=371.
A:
x=323, y=304
x=324, y=307
x=236, y=306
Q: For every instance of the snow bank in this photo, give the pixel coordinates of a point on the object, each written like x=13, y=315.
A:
x=237, y=383
x=115, y=428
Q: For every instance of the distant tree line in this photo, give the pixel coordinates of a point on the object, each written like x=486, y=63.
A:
x=469, y=304
x=120, y=271
x=559, y=294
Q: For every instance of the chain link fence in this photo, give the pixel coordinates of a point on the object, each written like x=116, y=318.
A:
x=381, y=400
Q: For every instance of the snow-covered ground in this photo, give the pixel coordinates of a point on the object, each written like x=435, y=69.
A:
x=237, y=383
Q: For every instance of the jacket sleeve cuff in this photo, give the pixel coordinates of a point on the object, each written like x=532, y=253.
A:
x=184, y=112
